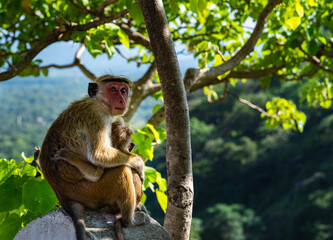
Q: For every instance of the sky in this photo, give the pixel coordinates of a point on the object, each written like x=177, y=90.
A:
x=63, y=53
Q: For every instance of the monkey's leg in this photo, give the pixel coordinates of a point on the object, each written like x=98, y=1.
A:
x=127, y=200
x=90, y=172
x=76, y=211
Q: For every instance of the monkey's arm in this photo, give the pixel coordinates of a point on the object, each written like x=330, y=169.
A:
x=101, y=153
x=89, y=171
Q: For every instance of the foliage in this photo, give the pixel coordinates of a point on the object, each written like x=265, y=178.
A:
x=285, y=113
x=281, y=176
x=295, y=45
x=25, y=195
x=145, y=139
x=232, y=222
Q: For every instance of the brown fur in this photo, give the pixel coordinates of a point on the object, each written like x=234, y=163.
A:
x=82, y=135
x=121, y=136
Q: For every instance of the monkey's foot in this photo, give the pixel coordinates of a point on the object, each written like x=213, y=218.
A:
x=141, y=208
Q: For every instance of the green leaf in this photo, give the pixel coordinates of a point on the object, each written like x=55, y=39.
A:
x=123, y=38
x=233, y=81
x=322, y=39
x=299, y=9
x=93, y=48
x=78, y=36
x=150, y=174
x=162, y=183
x=143, y=198
x=158, y=95
x=6, y=169
x=312, y=47
x=174, y=6
x=155, y=133
x=10, y=227
x=202, y=8
x=193, y=6
x=38, y=196
x=162, y=133
x=312, y=3
x=136, y=14
x=28, y=170
x=293, y=23
x=11, y=194
x=156, y=108
x=129, y=4
x=110, y=49
x=206, y=90
x=3, y=216
x=218, y=60
x=162, y=199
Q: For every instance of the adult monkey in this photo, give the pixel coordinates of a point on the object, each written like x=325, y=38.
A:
x=79, y=161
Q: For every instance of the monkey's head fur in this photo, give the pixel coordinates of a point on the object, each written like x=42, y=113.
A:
x=93, y=87
x=111, y=78
x=113, y=90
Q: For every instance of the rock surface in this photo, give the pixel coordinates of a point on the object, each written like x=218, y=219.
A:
x=58, y=225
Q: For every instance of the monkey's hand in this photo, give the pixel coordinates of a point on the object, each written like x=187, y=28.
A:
x=137, y=164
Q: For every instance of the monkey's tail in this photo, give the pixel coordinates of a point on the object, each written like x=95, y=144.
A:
x=118, y=228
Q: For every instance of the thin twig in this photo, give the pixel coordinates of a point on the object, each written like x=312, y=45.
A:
x=316, y=61
x=128, y=58
x=251, y=105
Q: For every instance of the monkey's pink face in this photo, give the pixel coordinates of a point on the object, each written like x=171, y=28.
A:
x=117, y=96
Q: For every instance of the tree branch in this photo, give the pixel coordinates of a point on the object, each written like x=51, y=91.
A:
x=316, y=61
x=142, y=88
x=157, y=118
x=61, y=33
x=138, y=38
x=99, y=12
x=129, y=59
x=251, y=105
x=104, y=4
x=253, y=74
x=212, y=73
x=300, y=77
x=80, y=8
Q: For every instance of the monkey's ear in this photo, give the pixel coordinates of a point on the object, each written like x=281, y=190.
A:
x=92, y=89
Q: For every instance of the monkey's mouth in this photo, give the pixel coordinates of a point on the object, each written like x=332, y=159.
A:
x=122, y=109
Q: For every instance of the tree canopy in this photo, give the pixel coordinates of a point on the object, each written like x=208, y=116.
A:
x=232, y=41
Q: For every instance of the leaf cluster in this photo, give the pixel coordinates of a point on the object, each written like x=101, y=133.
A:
x=25, y=195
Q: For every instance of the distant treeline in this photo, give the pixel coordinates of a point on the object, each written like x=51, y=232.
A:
x=251, y=182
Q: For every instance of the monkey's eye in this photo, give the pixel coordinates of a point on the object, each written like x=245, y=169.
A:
x=113, y=89
x=123, y=90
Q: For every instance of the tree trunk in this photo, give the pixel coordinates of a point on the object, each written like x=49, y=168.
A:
x=178, y=143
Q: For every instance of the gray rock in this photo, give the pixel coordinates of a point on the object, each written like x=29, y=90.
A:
x=58, y=225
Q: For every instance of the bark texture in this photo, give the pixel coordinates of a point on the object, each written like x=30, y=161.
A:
x=178, y=148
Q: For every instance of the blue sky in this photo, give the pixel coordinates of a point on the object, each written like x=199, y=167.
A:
x=63, y=53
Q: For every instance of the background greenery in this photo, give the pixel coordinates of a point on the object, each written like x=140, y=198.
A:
x=251, y=182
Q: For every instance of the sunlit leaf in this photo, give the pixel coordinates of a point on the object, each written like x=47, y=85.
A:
x=162, y=199
x=299, y=9
x=123, y=38
x=293, y=23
